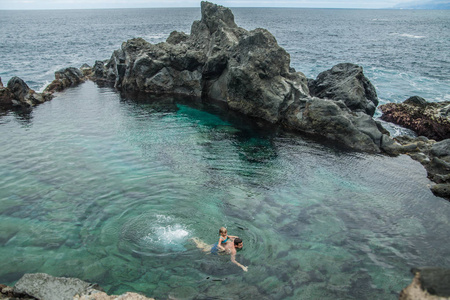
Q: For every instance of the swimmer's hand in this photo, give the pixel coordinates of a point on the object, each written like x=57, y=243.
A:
x=244, y=268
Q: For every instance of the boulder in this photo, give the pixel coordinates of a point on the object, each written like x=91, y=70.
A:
x=251, y=73
x=46, y=287
x=5, y=95
x=441, y=190
x=428, y=284
x=441, y=149
x=346, y=82
x=334, y=121
x=17, y=93
x=430, y=119
x=65, y=78
x=19, y=90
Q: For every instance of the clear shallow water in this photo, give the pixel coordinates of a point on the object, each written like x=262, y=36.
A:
x=110, y=190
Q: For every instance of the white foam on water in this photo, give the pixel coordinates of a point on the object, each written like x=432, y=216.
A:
x=155, y=38
x=42, y=88
x=166, y=233
x=408, y=35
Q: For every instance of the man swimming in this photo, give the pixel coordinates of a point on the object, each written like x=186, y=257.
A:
x=230, y=248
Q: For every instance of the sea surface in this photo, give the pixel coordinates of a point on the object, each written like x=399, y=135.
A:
x=111, y=188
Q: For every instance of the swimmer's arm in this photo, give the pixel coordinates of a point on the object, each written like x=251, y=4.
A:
x=233, y=236
x=233, y=260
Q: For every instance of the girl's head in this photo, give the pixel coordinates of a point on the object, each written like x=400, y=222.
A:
x=223, y=231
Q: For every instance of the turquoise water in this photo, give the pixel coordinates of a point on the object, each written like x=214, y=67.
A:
x=108, y=189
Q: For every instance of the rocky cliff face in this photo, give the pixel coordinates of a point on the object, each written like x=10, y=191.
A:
x=251, y=73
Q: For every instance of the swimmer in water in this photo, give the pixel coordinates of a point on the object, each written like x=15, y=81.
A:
x=230, y=248
x=224, y=238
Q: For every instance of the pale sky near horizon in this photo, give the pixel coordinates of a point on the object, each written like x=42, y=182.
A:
x=87, y=4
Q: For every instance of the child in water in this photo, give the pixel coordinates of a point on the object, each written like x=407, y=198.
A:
x=224, y=238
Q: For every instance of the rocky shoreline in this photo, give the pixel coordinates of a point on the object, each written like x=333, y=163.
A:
x=42, y=286
x=431, y=121
x=251, y=74
x=427, y=284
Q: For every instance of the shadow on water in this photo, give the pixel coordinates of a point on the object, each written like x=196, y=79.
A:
x=22, y=115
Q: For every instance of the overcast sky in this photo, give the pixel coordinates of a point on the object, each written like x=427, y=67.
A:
x=70, y=4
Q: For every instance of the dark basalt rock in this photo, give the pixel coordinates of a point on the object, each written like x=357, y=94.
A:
x=5, y=95
x=17, y=93
x=65, y=78
x=251, y=73
x=247, y=70
x=346, y=82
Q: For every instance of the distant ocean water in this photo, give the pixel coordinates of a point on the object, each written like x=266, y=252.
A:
x=110, y=189
x=403, y=52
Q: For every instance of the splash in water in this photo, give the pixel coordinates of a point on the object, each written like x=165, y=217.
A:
x=155, y=234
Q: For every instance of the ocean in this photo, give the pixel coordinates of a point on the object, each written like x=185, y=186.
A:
x=111, y=188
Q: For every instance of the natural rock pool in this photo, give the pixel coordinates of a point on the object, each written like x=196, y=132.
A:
x=110, y=190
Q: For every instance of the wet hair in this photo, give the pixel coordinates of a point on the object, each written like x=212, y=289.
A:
x=222, y=230
x=237, y=241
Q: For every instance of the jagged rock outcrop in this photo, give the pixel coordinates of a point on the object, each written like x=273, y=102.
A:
x=346, y=82
x=428, y=119
x=65, y=78
x=42, y=286
x=17, y=93
x=5, y=95
x=251, y=73
x=428, y=284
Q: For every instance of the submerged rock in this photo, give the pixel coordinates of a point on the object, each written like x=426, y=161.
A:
x=251, y=73
x=425, y=118
x=98, y=295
